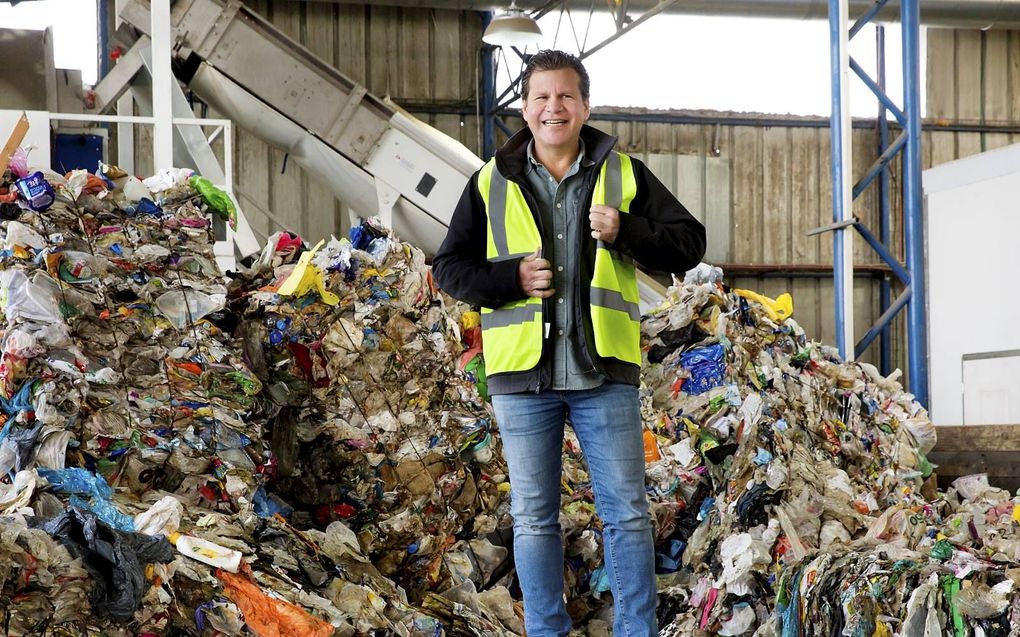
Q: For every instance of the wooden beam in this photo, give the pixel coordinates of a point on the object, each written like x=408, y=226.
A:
x=990, y=449
x=978, y=438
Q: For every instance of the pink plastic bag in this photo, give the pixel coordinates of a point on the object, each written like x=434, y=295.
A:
x=19, y=163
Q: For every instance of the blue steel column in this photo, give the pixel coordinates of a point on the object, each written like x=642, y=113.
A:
x=836, y=35
x=884, y=213
x=104, y=39
x=488, y=89
x=913, y=224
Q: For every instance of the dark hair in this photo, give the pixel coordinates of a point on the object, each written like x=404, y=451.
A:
x=553, y=60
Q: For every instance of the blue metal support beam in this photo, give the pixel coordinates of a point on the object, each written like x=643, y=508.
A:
x=501, y=125
x=488, y=90
x=866, y=18
x=102, y=25
x=883, y=253
x=842, y=251
x=909, y=144
x=883, y=321
x=884, y=209
x=881, y=164
x=879, y=92
x=913, y=224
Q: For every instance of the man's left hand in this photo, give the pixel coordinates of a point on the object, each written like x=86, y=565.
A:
x=605, y=223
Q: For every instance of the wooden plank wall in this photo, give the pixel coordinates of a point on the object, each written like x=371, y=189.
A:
x=973, y=78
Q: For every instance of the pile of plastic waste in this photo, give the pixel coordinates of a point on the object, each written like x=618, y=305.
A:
x=303, y=446
x=792, y=493
x=291, y=449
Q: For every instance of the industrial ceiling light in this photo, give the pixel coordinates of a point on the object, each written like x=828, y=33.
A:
x=513, y=28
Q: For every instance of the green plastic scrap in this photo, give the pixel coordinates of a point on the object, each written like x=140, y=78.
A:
x=942, y=551
x=476, y=369
x=250, y=385
x=217, y=200
x=951, y=588
x=68, y=310
x=923, y=465
x=782, y=592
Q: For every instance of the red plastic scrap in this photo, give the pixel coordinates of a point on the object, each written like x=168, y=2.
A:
x=268, y=616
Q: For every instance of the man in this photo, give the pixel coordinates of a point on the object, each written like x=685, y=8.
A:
x=544, y=239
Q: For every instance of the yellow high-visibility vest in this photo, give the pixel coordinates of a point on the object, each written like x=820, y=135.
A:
x=512, y=334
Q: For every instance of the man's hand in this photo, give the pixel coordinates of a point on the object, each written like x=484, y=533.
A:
x=535, y=275
x=605, y=223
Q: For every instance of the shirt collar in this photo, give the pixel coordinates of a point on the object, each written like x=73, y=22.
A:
x=534, y=163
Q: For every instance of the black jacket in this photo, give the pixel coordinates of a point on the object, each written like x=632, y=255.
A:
x=659, y=233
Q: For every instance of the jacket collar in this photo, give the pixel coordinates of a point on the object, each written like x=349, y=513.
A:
x=512, y=158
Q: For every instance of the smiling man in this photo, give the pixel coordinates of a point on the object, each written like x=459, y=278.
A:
x=544, y=239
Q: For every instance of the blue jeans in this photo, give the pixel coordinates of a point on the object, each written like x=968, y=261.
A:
x=607, y=421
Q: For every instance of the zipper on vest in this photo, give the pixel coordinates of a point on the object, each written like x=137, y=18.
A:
x=530, y=200
x=581, y=284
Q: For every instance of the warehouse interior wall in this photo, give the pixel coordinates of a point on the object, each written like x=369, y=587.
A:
x=973, y=78
x=28, y=56
x=778, y=176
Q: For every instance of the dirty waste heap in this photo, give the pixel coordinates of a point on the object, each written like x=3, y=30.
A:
x=295, y=449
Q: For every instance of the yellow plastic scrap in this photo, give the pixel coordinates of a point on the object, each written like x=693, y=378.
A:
x=1016, y=513
x=307, y=277
x=778, y=309
x=470, y=319
x=882, y=630
x=692, y=429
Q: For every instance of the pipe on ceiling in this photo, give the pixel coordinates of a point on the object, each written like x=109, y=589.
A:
x=970, y=14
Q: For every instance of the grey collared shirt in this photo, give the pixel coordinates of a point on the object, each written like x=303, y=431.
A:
x=560, y=209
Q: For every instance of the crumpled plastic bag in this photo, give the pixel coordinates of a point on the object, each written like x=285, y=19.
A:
x=166, y=178
x=19, y=162
x=306, y=277
x=268, y=616
x=78, y=481
x=18, y=494
x=778, y=309
x=115, y=561
x=217, y=200
x=186, y=307
x=982, y=601
x=707, y=366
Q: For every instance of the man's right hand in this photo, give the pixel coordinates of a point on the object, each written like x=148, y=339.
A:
x=534, y=274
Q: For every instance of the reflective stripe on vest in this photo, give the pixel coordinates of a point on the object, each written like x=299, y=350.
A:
x=513, y=334
x=615, y=313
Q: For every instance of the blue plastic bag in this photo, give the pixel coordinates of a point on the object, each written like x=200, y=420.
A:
x=77, y=481
x=707, y=366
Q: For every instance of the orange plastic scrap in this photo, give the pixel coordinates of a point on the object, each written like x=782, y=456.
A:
x=268, y=616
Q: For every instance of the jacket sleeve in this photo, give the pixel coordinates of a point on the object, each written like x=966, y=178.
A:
x=659, y=233
x=460, y=266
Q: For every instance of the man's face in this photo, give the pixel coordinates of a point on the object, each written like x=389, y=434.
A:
x=555, y=110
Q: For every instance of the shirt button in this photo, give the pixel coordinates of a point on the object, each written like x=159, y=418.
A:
x=559, y=332
x=559, y=236
x=559, y=300
x=559, y=205
x=559, y=268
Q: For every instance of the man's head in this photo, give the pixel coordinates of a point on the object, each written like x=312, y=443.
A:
x=553, y=60
x=554, y=89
